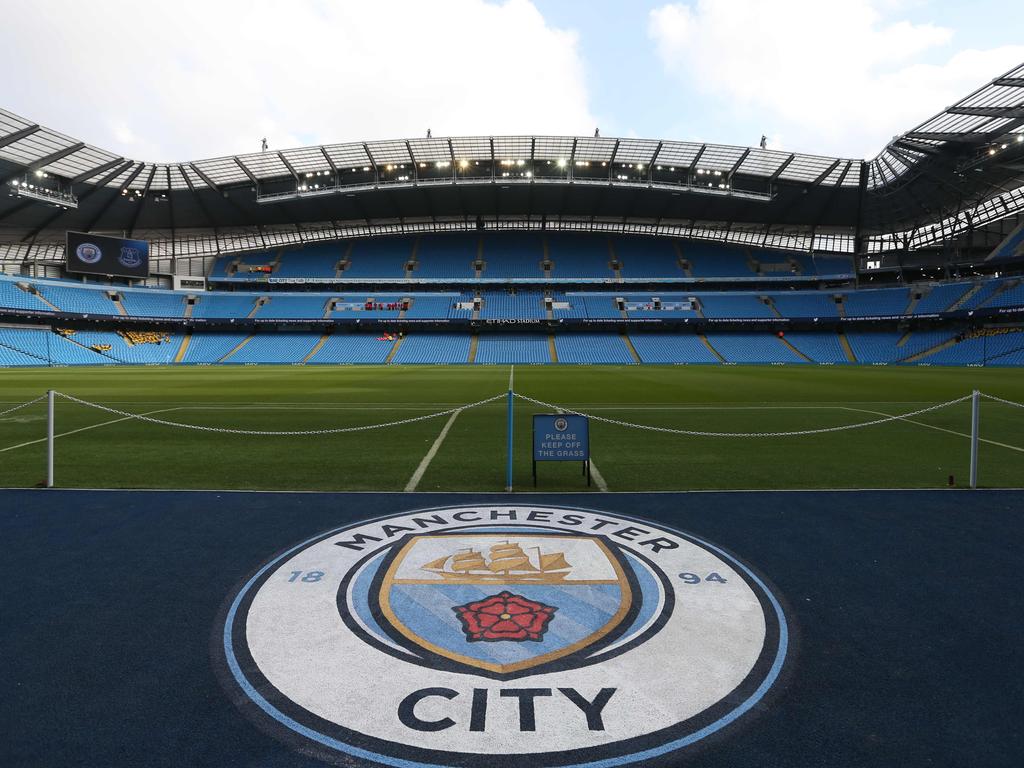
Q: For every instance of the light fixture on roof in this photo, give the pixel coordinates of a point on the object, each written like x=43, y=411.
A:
x=991, y=150
x=366, y=168
x=1003, y=146
x=562, y=162
x=1020, y=138
x=14, y=183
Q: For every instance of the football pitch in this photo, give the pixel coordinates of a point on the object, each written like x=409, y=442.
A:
x=466, y=451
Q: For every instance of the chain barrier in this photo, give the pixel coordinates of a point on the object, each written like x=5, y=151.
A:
x=1001, y=400
x=696, y=433
x=282, y=433
x=23, y=405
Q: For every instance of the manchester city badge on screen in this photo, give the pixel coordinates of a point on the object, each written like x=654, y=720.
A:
x=526, y=635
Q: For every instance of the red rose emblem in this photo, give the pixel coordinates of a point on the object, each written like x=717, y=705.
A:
x=504, y=617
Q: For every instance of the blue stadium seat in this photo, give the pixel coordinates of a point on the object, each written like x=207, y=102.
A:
x=752, y=348
x=513, y=254
x=876, y=303
x=209, y=348
x=433, y=348
x=579, y=255
x=513, y=349
x=804, y=304
x=446, y=257
x=671, y=348
x=383, y=257
x=352, y=348
x=653, y=257
x=598, y=348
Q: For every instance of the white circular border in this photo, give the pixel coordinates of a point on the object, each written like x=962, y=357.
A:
x=285, y=560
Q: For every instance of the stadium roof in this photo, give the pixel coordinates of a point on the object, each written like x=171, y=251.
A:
x=971, y=152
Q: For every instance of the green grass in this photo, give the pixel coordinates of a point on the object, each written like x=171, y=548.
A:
x=131, y=454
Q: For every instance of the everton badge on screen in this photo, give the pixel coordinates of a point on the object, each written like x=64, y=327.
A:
x=130, y=257
x=477, y=634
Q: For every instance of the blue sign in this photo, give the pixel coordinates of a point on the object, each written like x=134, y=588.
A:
x=561, y=437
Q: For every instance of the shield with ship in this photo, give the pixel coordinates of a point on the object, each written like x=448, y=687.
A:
x=505, y=604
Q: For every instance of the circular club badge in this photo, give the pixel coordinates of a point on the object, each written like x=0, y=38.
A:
x=130, y=257
x=88, y=253
x=526, y=635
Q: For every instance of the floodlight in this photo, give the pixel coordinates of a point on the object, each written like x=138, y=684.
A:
x=1020, y=138
x=561, y=162
x=463, y=163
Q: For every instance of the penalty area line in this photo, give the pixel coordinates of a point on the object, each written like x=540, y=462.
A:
x=429, y=457
x=595, y=473
x=86, y=429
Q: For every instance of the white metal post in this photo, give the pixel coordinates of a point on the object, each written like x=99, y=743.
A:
x=49, y=438
x=975, y=418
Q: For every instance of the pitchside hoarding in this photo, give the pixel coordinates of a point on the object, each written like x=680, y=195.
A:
x=99, y=255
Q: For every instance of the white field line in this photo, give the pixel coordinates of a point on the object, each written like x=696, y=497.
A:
x=595, y=473
x=511, y=376
x=598, y=477
x=85, y=429
x=425, y=461
x=943, y=429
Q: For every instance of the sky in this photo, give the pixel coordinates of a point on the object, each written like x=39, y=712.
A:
x=173, y=82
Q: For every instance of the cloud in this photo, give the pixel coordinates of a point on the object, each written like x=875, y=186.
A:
x=186, y=80
x=833, y=77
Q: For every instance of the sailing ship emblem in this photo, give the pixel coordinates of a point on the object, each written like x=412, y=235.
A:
x=551, y=596
x=507, y=563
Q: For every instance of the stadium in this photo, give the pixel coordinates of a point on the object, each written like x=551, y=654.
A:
x=531, y=449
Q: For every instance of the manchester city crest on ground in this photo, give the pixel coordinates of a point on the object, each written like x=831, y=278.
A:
x=530, y=635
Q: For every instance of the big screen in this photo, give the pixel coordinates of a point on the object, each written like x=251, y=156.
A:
x=99, y=255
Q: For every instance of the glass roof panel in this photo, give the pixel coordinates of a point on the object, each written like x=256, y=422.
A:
x=719, y=158
x=222, y=170
x=597, y=148
x=676, y=153
x=80, y=162
x=762, y=162
x=553, y=147
x=472, y=148
x=806, y=168
x=266, y=165
x=635, y=151
x=389, y=152
x=430, y=150
x=177, y=180
x=307, y=159
x=512, y=147
x=348, y=155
